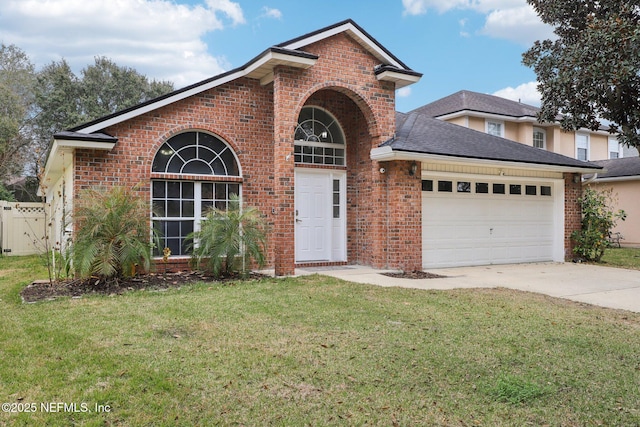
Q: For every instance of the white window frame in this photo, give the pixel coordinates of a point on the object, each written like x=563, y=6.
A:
x=199, y=214
x=489, y=122
x=544, y=138
x=586, y=145
x=323, y=149
x=614, y=147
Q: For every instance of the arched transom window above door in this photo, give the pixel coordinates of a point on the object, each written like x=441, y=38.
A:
x=318, y=138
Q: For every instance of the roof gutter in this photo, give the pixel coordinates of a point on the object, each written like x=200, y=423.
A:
x=384, y=154
x=618, y=179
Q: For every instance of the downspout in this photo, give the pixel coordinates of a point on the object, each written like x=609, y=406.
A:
x=590, y=180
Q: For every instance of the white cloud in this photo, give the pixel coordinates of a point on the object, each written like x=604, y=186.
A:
x=229, y=8
x=404, y=92
x=519, y=24
x=420, y=7
x=152, y=36
x=272, y=13
x=463, y=32
x=527, y=93
x=513, y=20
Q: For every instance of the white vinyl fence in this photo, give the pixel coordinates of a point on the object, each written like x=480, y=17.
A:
x=22, y=228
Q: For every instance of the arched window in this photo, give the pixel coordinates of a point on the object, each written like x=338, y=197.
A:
x=195, y=153
x=180, y=205
x=318, y=138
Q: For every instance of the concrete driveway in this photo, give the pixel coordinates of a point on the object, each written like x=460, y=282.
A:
x=603, y=286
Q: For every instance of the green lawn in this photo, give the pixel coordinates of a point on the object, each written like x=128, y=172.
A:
x=622, y=257
x=314, y=351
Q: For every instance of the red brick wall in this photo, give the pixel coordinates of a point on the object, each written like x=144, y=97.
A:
x=572, y=212
x=258, y=122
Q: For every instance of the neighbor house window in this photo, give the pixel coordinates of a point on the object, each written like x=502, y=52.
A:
x=208, y=166
x=539, y=138
x=614, y=148
x=318, y=138
x=582, y=147
x=495, y=128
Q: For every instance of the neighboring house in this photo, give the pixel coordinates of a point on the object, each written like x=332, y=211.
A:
x=308, y=133
x=518, y=122
x=623, y=177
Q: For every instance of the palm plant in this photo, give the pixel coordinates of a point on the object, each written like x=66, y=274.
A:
x=112, y=233
x=229, y=240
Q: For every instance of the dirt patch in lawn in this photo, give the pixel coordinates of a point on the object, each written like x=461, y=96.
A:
x=416, y=274
x=43, y=290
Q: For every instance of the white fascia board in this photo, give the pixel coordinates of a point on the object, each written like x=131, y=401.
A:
x=271, y=59
x=55, y=164
x=617, y=179
x=401, y=80
x=75, y=143
x=385, y=154
x=355, y=33
x=160, y=103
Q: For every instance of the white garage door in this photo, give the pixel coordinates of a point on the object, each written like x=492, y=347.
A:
x=477, y=222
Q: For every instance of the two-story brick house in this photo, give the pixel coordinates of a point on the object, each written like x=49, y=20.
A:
x=308, y=133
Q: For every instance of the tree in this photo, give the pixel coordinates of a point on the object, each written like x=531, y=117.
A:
x=592, y=70
x=107, y=88
x=17, y=78
x=57, y=95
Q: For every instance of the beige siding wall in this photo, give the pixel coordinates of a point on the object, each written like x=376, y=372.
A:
x=460, y=121
x=60, y=200
x=628, y=200
x=564, y=142
x=599, y=147
x=477, y=123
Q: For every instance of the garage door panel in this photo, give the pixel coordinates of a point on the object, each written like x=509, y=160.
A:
x=477, y=229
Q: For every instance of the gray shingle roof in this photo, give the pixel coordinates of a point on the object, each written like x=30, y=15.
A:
x=618, y=168
x=418, y=133
x=465, y=100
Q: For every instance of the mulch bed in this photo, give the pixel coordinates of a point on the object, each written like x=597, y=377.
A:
x=43, y=290
x=416, y=274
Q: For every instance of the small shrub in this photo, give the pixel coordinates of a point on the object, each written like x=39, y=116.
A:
x=112, y=234
x=598, y=219
x=229, y=240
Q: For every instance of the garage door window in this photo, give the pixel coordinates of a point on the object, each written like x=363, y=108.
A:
x=445, y=186
x=464, y=187
x=497, y=188
x=482, y=188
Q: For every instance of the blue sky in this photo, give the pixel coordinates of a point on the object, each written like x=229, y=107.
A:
x=457, y=44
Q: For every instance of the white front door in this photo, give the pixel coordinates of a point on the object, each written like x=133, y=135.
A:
x=319, y=216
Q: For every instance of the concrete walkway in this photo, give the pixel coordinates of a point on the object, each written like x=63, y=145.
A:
x=604, y=286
